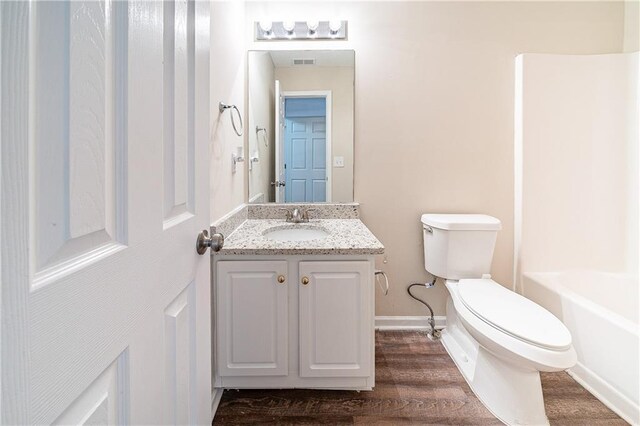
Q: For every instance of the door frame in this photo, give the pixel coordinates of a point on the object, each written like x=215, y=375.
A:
x=326, y=94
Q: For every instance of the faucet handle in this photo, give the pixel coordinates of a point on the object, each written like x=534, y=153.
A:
x=289, y=214
x=305, y=213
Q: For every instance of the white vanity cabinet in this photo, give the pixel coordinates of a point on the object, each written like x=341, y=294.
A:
x=335, y=317
x=253, y=318
x=294, y=322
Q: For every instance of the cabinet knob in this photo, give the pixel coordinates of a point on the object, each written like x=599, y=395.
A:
x=304, y=280
x=281, y=279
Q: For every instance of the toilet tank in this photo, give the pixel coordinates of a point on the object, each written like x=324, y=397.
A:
x=458, y=246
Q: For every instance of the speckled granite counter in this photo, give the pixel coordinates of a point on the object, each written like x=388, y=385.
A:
x=346, y=236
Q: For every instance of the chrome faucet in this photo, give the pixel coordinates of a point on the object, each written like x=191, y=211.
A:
x=297, y=215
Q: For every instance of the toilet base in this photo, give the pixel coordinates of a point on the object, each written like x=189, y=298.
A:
x=512, y=394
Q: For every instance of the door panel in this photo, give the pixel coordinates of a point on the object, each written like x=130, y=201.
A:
x=336, y=319
x=104, y=402
x=179, y=338
x=318, y=150
x=77, y=92
x=178, y=138
x=298, y=188
x=298, y=159
x=252, y=314
x=102, y=303
x=319, y=190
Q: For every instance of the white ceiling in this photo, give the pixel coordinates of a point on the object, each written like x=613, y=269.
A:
x=324, y=58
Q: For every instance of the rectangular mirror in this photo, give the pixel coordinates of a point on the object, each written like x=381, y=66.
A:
x=300, y=126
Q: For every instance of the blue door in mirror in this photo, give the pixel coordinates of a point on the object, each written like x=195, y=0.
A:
x=305, y=150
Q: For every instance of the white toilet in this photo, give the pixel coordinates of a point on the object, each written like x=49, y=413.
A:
x=499, y=340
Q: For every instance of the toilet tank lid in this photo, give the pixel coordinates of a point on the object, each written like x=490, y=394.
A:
x=462, y=222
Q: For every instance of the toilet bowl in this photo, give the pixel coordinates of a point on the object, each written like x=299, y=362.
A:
x=500, y=366
x=498, y=339
x=511, y=326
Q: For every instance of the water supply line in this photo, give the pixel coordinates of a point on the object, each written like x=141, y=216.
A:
x=381, y=273
x=433, y=334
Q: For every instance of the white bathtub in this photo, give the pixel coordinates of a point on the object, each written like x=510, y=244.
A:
x=601, y=311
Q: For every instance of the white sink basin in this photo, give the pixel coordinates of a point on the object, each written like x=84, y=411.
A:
x=295, y=233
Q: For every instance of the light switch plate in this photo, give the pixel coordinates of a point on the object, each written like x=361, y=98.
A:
x=338, y=161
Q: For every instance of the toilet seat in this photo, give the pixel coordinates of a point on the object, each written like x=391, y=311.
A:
x=514, y=314
x=501, y=343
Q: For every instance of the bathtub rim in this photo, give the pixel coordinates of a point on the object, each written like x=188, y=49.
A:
x=617, y=319
x=606, y=392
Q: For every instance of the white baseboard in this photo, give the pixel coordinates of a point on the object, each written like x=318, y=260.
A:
x=407, y=322
x=216, y=395
x=606, y=393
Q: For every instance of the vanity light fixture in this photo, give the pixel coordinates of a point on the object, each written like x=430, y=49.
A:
x=289, y=27
x=266, y=26
x=334, y=27
x=313, y=28
x=301, y=30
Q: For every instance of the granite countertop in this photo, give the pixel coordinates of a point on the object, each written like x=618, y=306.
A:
x=346, y=236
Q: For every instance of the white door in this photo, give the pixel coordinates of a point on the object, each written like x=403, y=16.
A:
x=104, y=187
x=252, y=318
x=336, y=319
x=279, y=163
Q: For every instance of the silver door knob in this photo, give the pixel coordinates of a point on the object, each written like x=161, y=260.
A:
x=204, y=241
x=278, y=183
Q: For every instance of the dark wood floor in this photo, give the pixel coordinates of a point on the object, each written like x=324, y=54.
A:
x=416, y=383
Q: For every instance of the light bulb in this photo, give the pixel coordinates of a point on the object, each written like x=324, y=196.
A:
x=289, y=26
x=312, y=25
x=335, y=26
x=266, y=26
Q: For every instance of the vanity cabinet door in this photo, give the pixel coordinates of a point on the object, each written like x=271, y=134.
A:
x=336, y=319
x=252, y=318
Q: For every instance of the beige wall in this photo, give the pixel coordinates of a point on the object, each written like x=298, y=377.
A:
x=261, y=113
x=631, y=26
x=580, y=168
x=340, y=81
x=434, y=110
x=227, y=85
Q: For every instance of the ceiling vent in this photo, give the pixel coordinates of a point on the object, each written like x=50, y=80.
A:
x=304, y=62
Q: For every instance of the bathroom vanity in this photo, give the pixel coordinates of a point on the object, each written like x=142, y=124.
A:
x=294, y=302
